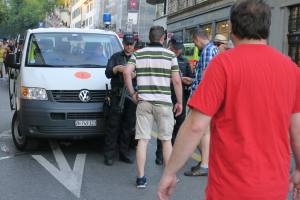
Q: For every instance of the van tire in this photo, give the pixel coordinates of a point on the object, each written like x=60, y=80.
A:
x=21, y=141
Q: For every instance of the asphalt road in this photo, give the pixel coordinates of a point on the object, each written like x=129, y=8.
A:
x=71, y=170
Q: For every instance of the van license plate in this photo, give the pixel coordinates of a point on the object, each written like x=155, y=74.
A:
x=85, y=123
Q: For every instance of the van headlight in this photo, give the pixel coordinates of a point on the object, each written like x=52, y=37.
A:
x=34, y=93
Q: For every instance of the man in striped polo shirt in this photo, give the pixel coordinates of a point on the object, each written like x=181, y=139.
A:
x=155, y=68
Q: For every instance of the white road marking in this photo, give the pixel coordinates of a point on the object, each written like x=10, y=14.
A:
x=6, y=157
x=71, y=179
x=5, y=134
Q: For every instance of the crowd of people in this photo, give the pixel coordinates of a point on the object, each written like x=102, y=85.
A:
x=244, y=105
x=6, y=47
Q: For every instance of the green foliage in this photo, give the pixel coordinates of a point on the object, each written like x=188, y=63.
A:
x=19, y=15
x=3, y=12
x=59, y=2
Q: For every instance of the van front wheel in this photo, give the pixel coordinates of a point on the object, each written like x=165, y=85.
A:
x=21, y=141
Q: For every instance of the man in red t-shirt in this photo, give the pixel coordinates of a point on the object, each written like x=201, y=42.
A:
x=251, y=97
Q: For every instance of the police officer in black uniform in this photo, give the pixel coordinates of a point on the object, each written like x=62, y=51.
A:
x=176, y=45
x=120, y=125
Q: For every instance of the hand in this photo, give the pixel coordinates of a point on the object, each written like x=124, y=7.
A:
x=118, y=69
x=135, y=98
x=177, y=109
x=166, y=186
x=133, y=75
x=295, y=184
x=186, y=80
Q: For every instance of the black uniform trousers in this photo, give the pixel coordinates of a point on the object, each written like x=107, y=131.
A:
x=178, y=121
x=120, y=127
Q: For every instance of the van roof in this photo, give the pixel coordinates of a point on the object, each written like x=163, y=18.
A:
x=70, y=30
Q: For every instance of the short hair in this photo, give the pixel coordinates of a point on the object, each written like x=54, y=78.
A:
x=155, y=33
x=199, y=32
x=251, y=19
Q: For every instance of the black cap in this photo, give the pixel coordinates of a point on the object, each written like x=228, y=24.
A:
x=177, y=42
x=128, y=38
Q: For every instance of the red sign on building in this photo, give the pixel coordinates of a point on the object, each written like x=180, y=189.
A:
x=133, y=5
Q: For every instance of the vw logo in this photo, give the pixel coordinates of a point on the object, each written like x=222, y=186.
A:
x=84, y=96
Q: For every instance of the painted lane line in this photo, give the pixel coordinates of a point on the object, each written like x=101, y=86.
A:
x=195, y=156
x=6, y=157
x=5, y=134
x=15, y=155
x=71, y=179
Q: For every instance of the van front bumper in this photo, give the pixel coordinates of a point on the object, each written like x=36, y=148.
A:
x=48, y=119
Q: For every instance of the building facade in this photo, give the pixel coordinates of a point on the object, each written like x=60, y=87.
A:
x=161, y=15
x=85, y=13
x=184, y=16
x=130, y=16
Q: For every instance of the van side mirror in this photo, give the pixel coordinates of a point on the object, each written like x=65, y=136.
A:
x=11, y=61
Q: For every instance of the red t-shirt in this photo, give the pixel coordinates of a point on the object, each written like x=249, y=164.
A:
x=251, y=92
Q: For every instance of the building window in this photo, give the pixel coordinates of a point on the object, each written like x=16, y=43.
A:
x=178, y=33
x=188, y=34
x=90, y=20
x=91, y=7
x=78, y=25
x=294, y=34
x=160, y=10
x=223, y=28
x=76, y=13
x=208, y=30
x=294, y=19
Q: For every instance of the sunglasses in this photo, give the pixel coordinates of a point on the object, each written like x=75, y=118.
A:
x=218, y=43
x=129, y=44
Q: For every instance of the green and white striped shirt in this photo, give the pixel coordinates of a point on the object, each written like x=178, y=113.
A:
x=154, y=66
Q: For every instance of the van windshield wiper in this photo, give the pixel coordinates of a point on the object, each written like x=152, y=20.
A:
x=68, y=66
x=88, y=65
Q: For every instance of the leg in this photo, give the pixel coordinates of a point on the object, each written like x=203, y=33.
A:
x=6, y=69
x=201, y=169
x=141, y=153
x=128, y=126
x=165, y=121
x=159, y=152
x=179, y=119
x=1, y=73
x=144, y=121
x=112, y=132
x=167, y=150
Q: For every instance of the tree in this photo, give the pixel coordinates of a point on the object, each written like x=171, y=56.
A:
x=3, y=12
x=21, y=15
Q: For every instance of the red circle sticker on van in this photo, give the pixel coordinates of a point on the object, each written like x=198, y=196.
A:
x=83, y=75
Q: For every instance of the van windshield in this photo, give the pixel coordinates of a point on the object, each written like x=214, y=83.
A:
x=71, y=49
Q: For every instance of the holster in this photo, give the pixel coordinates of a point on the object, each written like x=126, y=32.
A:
x=107, y=103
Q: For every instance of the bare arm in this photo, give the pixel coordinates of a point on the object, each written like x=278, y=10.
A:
x=187, y=140
x=295, y=137
x=176, y=80
x=127, y=73
x=295, y=144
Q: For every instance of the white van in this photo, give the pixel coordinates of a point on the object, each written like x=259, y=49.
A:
x=61, y=84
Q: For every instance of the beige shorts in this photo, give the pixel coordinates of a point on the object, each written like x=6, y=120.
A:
x=147, y=113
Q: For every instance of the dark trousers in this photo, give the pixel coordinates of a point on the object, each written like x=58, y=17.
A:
x=178, y=121
x=120, y=127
